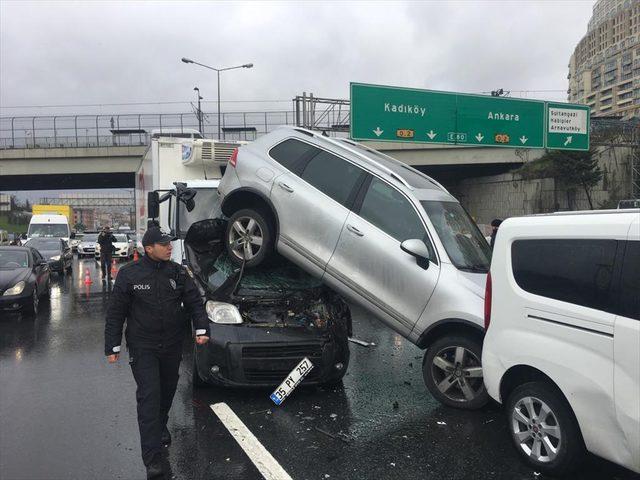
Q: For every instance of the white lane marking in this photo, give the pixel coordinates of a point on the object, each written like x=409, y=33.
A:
x=261, y=458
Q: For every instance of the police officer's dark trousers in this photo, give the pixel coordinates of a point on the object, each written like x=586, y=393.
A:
x=156, y=373
x=105, y=264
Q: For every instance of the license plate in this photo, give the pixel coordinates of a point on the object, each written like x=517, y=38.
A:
x=292, y=381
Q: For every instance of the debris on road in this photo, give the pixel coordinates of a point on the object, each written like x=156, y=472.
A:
x=361, y=342
x=266, y=412
x=396, y=405
x=441, y=423
x=338, y=436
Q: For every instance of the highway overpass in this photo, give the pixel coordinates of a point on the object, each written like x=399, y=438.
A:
x=114, y=166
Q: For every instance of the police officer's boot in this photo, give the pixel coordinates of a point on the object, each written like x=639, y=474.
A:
x=156, y=468
x=166, y=437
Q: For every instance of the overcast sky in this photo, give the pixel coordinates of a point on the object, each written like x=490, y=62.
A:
x=77, y=53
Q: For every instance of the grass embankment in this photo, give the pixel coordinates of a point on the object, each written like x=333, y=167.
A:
x=12, y=227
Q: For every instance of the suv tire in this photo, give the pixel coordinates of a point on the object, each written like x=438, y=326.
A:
x=452, y=372
x=552, y=422
x=249, y=230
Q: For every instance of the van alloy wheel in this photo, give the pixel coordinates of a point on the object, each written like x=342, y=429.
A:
x=457, y=372
x=245, y=238
x=536, y=429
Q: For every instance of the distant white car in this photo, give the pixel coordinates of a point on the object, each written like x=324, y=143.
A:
x=562, y=348
x=123, y=247
x=87, y=245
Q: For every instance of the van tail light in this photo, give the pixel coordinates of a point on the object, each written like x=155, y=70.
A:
x=487, y=302
x=233, y=160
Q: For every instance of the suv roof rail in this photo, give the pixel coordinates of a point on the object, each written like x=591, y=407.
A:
x=384, y=168
x=387, y=170
x=395, y=161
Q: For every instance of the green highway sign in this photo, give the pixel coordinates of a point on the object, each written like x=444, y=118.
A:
x=395, y=114
x=568, y=126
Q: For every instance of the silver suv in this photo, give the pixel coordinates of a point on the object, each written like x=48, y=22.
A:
x=379, y=232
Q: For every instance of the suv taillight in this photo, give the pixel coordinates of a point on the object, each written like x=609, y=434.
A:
x=487, y=302
x=233, y=160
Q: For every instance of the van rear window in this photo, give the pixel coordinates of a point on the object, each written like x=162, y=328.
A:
x=574, y=271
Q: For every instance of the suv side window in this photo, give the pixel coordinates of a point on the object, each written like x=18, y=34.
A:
x=333, y=176
x=630, y=285
x=389, y=210
x=292, y=153
x=570, y=270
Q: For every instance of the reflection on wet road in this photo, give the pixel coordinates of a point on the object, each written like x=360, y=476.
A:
x=65, y=413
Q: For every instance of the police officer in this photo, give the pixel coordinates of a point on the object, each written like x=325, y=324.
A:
x=495, y=225
x=148, y=294
x=106, y=239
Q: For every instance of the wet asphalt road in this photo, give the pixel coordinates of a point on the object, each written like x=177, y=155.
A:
x=66, y=414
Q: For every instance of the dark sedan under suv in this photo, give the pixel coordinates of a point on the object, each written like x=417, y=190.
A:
x=24, y=279
x=265, y=320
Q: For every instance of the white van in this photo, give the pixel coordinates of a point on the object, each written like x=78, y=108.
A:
x=562, y=348
x=49, y=226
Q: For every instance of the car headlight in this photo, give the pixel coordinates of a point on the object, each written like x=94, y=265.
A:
x=17, y=289
x=57, y=257
x=223, y=313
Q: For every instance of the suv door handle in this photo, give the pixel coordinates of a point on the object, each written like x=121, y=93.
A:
x=285, y=187
x=353, y=229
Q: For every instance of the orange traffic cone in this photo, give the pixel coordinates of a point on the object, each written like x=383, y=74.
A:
x=114, y=270
x=135, y=255
x=87, y=277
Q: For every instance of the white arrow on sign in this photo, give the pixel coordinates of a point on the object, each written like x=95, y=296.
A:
x=479, y=137
x=431, y=135
x=568, y=141
x=523, y=139
x=378, y=132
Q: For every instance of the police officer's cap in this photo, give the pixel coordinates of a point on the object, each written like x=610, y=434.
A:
x=155, y=235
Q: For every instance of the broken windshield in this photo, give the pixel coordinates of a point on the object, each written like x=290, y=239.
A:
x=281, y=275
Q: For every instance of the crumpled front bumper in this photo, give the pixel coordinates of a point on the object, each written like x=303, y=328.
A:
x=250, y=356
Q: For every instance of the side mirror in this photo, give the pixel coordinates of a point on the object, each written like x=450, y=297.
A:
x=42, y=263
x=186, y=195
x=153, y=205
x=72, y=236
x=417, y=249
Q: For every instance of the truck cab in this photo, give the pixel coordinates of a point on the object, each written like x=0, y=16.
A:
x=180, y=161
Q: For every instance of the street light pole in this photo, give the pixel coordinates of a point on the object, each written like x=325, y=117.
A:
x=218, y=104
x=200, y=125
x=218, y=70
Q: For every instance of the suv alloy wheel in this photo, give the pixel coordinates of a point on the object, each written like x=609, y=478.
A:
x=249, y=236
x=452, y=372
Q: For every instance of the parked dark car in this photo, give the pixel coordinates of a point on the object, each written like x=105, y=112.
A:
x=56, y=251
x=264, y=320
x=24, y=278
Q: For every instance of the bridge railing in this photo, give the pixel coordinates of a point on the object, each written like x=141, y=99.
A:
x=131, y=129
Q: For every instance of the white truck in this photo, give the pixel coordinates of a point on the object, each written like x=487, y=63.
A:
x=195, y=164
x=49, y=225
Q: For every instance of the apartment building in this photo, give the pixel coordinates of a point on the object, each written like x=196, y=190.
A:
x=604, y=70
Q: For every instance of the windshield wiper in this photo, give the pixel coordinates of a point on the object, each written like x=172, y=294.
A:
x=474, y=268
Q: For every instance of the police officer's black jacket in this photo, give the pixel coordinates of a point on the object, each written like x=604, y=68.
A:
x=148, y=294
